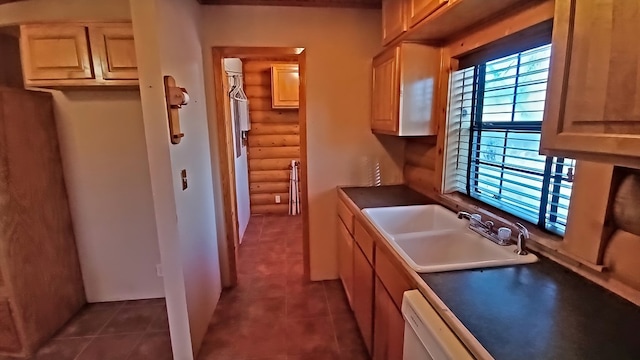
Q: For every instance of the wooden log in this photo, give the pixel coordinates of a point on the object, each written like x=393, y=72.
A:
x=257, y=91
x=268, y=176
x=260, y=104
x=275, y=129
x=268, y=199
x=253, y=66
x=284, y=152
x=273, y=140
x=270, y=164
x=421, y=154
x=271, y=116
x=423, y=180
x=270, y=209
x=269, y=187
x=626, y=209
x=257, y=78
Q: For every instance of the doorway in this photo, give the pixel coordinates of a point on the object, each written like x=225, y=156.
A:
x=275, y=145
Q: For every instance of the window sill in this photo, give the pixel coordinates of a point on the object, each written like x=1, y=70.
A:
x=460, y=202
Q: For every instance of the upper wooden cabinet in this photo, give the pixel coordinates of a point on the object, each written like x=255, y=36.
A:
x=420, y=9
x=394, y=20
x=55, y=52
x=285, y=86
x=405, y=80
x=593, y=97
x=116, y=51
x=63, y=55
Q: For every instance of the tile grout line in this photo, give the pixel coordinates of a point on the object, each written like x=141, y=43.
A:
x=333, y=326
x=93, y=338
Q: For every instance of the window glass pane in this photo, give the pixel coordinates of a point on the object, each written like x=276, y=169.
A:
x=501, y=146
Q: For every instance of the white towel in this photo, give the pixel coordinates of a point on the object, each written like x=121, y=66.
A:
x=294, y=193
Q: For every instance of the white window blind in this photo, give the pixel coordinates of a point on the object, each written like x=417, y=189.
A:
x=494, y=124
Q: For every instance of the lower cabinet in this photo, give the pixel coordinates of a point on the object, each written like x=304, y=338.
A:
x=388, y=326
x=345, y=260
x=363, y=295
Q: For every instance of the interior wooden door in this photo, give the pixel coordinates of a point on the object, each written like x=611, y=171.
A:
x=420, y=9
x=386, y=92
x=593, y=98
x=285, y=82
x=394, y=20
x=55, y=52
x=114, y=51
x=363, y=295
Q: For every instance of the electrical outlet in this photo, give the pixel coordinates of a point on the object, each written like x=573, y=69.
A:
x=278, y=199
x=183, y=175
x=159, y=270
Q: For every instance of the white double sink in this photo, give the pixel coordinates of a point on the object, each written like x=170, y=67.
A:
x=431, y=238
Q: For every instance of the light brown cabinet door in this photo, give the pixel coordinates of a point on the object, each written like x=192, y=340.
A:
x=388, y=327
x=394, y=20
x=386, y=92
x=363, y=296
x=285, y=86
x=55, y=52
x=345, y=260
x=593, y=98
x=420, y=9
x=114, y=51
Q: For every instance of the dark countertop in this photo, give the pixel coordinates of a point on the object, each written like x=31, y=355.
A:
x=384, y=196
x=537, y=311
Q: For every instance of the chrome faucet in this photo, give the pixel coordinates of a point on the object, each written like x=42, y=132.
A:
x=523, y=236
x=464, y=215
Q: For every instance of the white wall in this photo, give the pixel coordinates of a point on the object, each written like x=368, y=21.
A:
x=241, y=160
x=107, y=175
x=168, y=43
x=105, y=164
x=340, y=44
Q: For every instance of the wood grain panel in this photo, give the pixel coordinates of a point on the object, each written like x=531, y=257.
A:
x=268, y=199
x=621, y=258
x=269, y=176
x=274, y=140
x=39, y=257
x=257, y=91
x=268, y=187
x=625, y=204
x=275, y=129
x=10, y=65
x=286, y=152
x=272, y=116
x=421, y=154
x=269, y=164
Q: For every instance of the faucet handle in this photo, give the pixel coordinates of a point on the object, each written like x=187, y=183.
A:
x=523, y=230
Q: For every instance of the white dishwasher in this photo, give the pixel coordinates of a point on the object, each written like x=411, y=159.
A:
x=426, y=336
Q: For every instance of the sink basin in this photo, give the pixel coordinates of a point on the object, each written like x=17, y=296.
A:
x=431, y=238
x=413, y=219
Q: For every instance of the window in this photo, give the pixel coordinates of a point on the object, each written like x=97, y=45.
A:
x=495, y=119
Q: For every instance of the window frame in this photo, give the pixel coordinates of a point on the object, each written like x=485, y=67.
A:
x=551, y=177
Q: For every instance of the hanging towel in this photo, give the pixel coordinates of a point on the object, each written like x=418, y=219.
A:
x=294, y=193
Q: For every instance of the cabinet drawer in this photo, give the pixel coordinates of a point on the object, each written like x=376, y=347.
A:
x=365, y=241
x=9, y=340
x=345, y=214
x=391, y=277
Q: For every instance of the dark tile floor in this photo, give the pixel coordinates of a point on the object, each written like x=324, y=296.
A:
x=127, y=330
x=273, y=313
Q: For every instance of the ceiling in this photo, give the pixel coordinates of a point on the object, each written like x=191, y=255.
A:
x=365, y=4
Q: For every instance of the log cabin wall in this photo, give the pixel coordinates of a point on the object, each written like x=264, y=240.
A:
x=274, y=140
x=420, y=160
